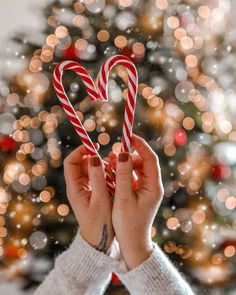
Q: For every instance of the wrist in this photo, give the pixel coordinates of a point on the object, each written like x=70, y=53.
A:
x=135, y=256
x=83, y=262
x=101, y=243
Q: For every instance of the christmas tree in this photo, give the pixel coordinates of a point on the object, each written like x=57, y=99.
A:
x=184, y=52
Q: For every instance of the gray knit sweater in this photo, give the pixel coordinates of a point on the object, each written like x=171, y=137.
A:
x=84, y=270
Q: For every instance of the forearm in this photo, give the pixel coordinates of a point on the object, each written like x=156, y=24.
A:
x=79, y=270
x=156, y=275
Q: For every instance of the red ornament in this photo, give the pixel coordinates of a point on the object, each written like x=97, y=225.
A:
x=180, y=137
x=127, y=52
x=115, y=280
x=11, y=252
x=220, y=172
x=7, y=144
x=228, y=243
x=70, y=53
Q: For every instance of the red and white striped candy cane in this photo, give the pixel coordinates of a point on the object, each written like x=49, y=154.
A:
x=101, y=92
x=102, y=84
x=93, y=95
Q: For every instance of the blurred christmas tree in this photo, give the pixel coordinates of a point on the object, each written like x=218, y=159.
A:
x=184, y=52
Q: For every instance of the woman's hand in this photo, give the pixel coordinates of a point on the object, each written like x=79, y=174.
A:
x=89, y=198
x=136, y=203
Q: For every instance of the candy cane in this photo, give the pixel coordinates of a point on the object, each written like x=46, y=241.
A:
x=102, y=83
x=100, y=93
x=66, y=104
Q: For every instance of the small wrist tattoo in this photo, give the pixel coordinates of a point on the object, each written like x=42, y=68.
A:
x=102, y=247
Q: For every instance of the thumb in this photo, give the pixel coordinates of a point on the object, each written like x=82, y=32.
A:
x=97, y=179
x=124, y=168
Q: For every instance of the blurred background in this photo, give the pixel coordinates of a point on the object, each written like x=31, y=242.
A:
x=185, y=54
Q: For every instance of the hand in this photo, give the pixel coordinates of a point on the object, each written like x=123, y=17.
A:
x=89, y=197
x=135, y=205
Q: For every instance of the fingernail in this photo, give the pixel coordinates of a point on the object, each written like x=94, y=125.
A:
x=95, y=161
x=123, y=157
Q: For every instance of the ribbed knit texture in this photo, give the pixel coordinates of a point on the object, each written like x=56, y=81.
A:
x=84, y=270
x=79, y=270
x=155, y=276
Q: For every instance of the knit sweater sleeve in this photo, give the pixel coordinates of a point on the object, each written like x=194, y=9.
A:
x=156, y=275
x=79, y=270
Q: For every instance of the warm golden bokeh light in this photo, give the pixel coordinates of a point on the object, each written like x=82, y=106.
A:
x=61, y=31
x=204, y=11
x=161, y=4
x=230, y=203
x=63, y=210
x=172, y=223
x=191, y=60
x=173, y=22
x=125, y=3
x=199, y=217
x=104, y=138
x=103, y=36
x=116, y=147
x=45, y=196
x=229, y=251
x=81, y=44
x=179, y=33
x=52, y=40
x=186, y=42
x=120, y=41
x=188, y=123
x=89, y=125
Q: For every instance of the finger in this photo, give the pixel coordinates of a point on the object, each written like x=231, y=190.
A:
x=150, y=160
x=78, y=157
x=136, y=182
x=112, y=159
x=112, y=155
x=124, y=170
x=109, y=169
x=84, y=165
x=151, y=179
x=97, y=178
x=72, y=166
x=137, y=161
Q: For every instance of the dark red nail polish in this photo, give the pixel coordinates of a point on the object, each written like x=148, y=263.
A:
x=123, y=157
x=95, y=161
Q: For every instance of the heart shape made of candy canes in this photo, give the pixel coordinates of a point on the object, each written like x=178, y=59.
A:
x=99, y=91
